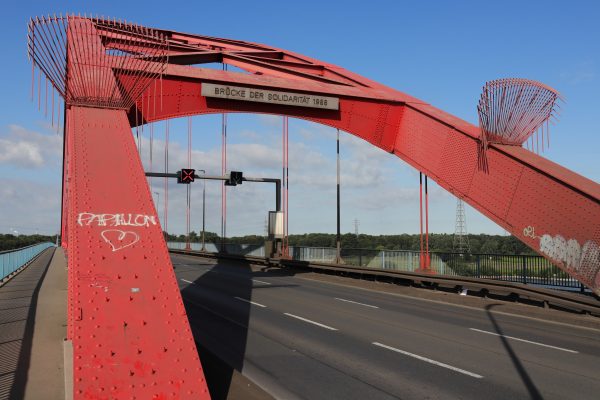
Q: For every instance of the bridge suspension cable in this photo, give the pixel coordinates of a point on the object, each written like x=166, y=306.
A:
x=223, y=172
x=424, y=256
x=285, y=181
x=166, y=196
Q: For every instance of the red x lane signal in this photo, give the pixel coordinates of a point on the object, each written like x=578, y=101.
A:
x=186, y=175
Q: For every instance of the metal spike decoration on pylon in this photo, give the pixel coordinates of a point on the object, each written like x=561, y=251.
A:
x=84, y=72
x=513, y=110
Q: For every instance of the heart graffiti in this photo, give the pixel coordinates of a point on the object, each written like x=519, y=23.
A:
x=118, y=239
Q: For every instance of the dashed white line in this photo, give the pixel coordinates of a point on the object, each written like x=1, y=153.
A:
x=356, y=302
x=429, y=360
x=263, y=282
x=310, y=321
x=186, y=281
x=251, y=302
x=525, y=341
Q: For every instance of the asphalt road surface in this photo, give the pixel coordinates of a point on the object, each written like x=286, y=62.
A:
x=301, y=338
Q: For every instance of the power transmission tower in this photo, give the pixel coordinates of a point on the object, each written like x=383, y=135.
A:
x=461, y=238
x=356, y=227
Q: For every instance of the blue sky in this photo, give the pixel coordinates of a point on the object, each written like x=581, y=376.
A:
x=441, y=52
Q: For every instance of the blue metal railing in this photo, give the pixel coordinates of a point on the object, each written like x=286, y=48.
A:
x=12, y=260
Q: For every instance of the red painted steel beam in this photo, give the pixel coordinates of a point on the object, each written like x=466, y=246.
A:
x=131, y=338
x=130, y=333
x=553, y=210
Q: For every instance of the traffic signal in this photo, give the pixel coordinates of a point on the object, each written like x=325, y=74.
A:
x=235, y=178
x=186, y=176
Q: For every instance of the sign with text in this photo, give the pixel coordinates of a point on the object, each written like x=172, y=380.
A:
x=270, y=96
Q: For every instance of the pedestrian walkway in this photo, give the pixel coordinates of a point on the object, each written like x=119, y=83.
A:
x=32, y=329
x=33, y=321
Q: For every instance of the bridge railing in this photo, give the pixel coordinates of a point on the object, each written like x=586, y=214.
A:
x=528, y=269
x=12, y=260
x=257, y=250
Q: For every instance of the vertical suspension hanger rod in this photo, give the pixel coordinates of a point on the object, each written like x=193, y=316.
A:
x=223, y=172
x=421, y=259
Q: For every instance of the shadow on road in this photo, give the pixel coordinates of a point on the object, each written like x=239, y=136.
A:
x=534, y=393
x=219, y=321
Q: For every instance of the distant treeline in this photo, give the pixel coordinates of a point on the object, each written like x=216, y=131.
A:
x=481, y=243
x=486, y=244
x=10, y=242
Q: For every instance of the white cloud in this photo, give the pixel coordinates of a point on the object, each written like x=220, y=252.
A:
x=24, y=148
x=29, y=206
x=369, y=182
x=270, y=120
x=372, y=183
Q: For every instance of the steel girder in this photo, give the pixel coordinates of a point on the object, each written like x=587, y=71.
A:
x=130, y=334
x=126, y=320
x=553, y=210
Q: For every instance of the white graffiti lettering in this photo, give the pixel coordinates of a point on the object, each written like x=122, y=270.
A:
x=573, y=254
x=118, y=239
x=559, y=249
x=584, y=260
x=529, y=231
x=90, y=219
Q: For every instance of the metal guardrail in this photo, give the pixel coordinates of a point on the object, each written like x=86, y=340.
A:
x=12, y=260
x=512, y=291
x=256, y=250
x=527, y=269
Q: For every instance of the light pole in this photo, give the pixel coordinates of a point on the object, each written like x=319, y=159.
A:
x=338, y=255
x=157, y=200
x=203, y=207
x=158, y=207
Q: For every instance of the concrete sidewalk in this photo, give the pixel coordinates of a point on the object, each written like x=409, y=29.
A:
x=32, y=328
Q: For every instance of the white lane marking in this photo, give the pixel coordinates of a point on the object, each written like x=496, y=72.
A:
x=251, y=302
x=428, y=360
x=186, y=281
x=525, y=341
x=355, y=302
x=263, y=282
x=310, y=322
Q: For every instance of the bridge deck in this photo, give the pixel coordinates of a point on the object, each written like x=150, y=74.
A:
x=33, y=319
x=304, y=335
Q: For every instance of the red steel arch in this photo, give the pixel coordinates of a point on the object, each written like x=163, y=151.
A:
x=130, y=336
x=553, y=210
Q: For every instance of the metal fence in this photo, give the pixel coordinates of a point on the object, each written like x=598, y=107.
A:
x=514, y=268
x=12, y=260
x=257, y=250
x=527, y=269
